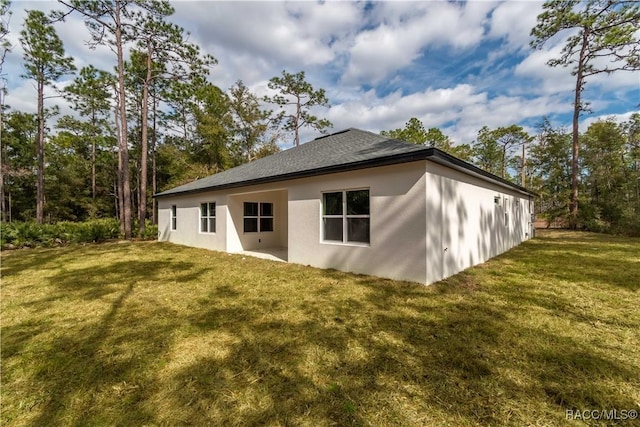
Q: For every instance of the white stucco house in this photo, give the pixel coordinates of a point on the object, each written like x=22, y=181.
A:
x=354, y=201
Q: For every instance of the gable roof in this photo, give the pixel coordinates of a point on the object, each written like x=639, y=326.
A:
x=350, y=149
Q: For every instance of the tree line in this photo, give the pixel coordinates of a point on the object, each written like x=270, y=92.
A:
x=608, y=170
x=155, y=121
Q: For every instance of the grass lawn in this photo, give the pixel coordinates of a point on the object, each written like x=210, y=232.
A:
x=151, y=333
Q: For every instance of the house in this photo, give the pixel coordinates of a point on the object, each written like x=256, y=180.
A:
x=354, y=201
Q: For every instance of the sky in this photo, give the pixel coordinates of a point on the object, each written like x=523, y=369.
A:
x=457, y=66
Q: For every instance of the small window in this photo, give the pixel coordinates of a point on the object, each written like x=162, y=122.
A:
x=346, y=216
x=208, y=217
x=496, y=200
x=174, y=219
x=258, y=217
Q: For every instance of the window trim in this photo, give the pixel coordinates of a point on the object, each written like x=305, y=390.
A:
x=174, y=217
x=208, y=217
x=345, y=217
x=258, y=217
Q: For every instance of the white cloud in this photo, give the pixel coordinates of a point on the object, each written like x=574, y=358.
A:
x=359, y=52
x=618, y=118
x=406, y=29
x=514, y=20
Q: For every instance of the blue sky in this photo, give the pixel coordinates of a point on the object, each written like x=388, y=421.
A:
x=454, y=65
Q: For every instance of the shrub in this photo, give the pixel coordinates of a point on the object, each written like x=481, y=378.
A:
x=150, y=231
x=31, y=234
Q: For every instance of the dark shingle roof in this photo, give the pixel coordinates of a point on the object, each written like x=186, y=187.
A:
x=346, y=150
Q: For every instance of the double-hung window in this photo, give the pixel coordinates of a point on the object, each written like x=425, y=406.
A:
x=174, y=217
x=208, y=217
x=345, y=216
x=258, y=217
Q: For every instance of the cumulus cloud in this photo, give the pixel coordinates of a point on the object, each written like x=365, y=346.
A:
x=453, y=65
x=513, y=21
x=406, y=29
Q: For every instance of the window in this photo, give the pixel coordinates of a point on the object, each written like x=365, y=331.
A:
x=506, y=212
x=208, y=217
x=496, y=200
x=174, y=219
x=345, y=216
x=258, y=217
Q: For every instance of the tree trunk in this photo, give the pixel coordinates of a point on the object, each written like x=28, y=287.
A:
x=93, y=165
x=142, y=214
x=524, y=165
x=40, y=155
x=123, y=147
x=297, y=122
x=577, y=107
x=3, y=207
x=154, y=178
x=119, y=190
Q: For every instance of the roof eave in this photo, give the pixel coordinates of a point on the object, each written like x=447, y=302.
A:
x=442, y=157
x=365, y=164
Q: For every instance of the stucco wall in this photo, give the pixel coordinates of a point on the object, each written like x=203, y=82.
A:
x=465, y=226
x=239, y=240
x=427, y=221
x=229, y=234
x=397, y=245
x=188, y=216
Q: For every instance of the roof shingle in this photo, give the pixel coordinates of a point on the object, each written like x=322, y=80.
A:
x=349, y=149
x=323, y=154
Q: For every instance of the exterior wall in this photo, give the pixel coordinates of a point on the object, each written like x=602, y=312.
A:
x=397, y=247
x=188, y=221
x=465, y=226
x=427, y=221
x=238, y=240
x=229, y=234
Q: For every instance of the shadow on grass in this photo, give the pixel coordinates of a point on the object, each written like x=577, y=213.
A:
x=306, y=346
x=89, y=366
x=49, y=258
x=325, y=370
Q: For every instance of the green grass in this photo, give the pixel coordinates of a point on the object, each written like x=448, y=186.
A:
x=151, y=333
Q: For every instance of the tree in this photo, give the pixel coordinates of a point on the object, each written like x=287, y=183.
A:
x=550, y=171
x=493, y=148
x=5, y=48
x=605, y=171
x=250, y=125
x=487, y=153
x=44, y=63
x=213, y=124
x=168, y=56
x=603, y=38
x=297, y=93
x=90, y=94
x=112, y=22
x=18, y=166
x=413, y=132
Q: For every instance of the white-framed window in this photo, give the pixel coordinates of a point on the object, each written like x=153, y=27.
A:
x=208, y=217
x=506, y=212
x=258, y=217
x=174, y=217
x=346, y=216
x=496, y=200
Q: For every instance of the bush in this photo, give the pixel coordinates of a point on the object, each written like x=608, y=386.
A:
x=30, y=234
x=150, y=231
